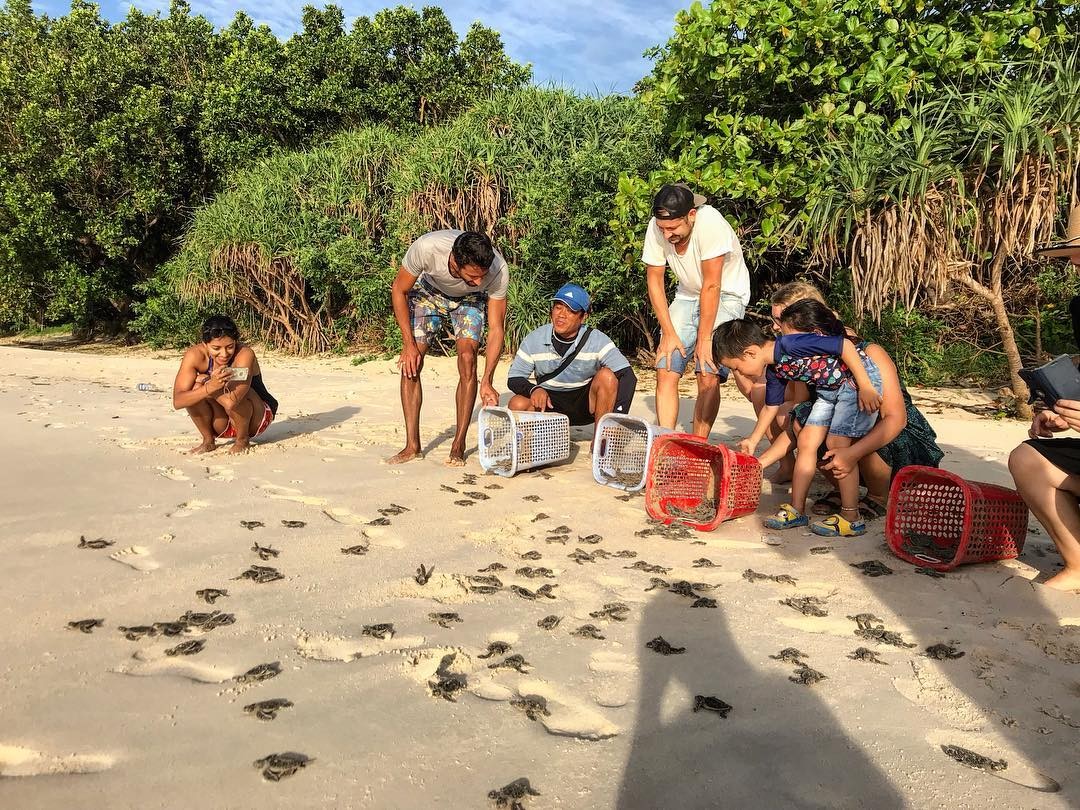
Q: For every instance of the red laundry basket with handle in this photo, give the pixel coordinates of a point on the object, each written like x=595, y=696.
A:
x=698, y=483
x=939, y=520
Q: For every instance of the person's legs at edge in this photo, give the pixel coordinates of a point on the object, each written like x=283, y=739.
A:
x=809, y=439
x=876, y=476
x=202, y=414
x=1051, y=494
x=412, y=398
x=848, y=485
x=708, y=403
x=602, y=392
x=667, y=397
x=241, y=415
x=465, y=398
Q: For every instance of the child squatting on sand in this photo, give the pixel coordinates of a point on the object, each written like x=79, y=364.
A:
x=812, y=348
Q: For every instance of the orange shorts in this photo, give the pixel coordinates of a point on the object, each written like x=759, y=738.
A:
x=268, y=417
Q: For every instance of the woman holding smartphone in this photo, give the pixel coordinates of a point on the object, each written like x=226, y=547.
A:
x=220, y=385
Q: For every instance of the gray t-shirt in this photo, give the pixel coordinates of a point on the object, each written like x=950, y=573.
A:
x=429, y=255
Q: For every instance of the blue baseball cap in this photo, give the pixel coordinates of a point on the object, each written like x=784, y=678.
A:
x=573, y=296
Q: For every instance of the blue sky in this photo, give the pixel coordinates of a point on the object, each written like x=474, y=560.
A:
x=592, y=46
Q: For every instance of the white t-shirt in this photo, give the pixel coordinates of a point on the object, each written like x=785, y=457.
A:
x=712, y=236
x=428, y=256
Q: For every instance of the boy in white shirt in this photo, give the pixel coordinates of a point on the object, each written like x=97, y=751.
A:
x=699, y=245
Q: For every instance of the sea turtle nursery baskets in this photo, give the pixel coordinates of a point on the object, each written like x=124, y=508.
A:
x=511, y=441
x=938, y=520
x=700, y=484
x=623, y=444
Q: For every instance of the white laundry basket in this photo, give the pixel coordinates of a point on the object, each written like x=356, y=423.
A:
x=623, y=444
x=511, y=441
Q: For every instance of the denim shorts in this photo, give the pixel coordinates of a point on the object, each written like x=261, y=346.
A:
x=838, y=408
x=686, y=318
x=432, y=312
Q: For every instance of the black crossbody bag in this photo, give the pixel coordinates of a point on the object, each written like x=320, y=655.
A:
x=568, y=358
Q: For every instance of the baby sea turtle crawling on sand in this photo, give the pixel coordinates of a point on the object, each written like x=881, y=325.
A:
x=807, y=676
x=445, y=620
x=252, y=525
x=561, y=539
x=588, y=631
x=94, y=544
x=512, y=796
x=261, y=574
x=448, y=488
x=625, y=554
x=394, y=509
x=867, y=655
x=464, y=502
x=789, y=655
x=525, y=593
x=683, y=588
x=943, y=652
x=495, y=648
x=423, y=574
x=446, y=686
x=820, y=550
x=265, y=552
x=704, y=602
x=806, y=605
x=600, y=554
x=516, y=662
x=580, y=556
x=704, y=562
x=485, y=581
x=533, y=573
x=495, y=566
x=260, y=672
x=137, y=632
x=641, y=565
x=532, y=555
x=930, y=572
x=293, y=524
x=493, y=486
x=276, y=767
x=750, y=575
x=560, y=530
x=268, y=709
x=590, y=539
x=86, y=625
x=207, y=621
x=540, y=516
x=534, y=706
x=870, y=627
x=549, y=622
x=379, y=631
x=662, y=646
x=785, y=579
x=356, y=551
x=973, y=760
x=656, y=582
x=211, y=595
x=468, y=479
x=531, y=498
x=477, y=496
x=193, y=647
x=171, y=628
x=873, y=568
x=616, y=611
x=381, y=521
x=709, y=703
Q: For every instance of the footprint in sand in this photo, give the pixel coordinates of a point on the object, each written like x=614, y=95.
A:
x=220, y=473
x=280, y=493
x=325, y=647
x=568, y=716
x=137, y=557
x=187, y=509
x=148, y=663
x=18, y=761
x=932, y=691
x=172, y=473
x=616, y=669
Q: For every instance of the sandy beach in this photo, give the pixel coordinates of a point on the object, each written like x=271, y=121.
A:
x=95, y=720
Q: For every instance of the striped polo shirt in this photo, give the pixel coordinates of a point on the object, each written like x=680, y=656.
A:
x=537, y=356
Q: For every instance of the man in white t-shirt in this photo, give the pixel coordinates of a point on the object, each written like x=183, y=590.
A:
x=448, y=281
x=698, y=244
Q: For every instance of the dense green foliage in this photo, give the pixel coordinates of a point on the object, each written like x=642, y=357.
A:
x=113, y=133
x=304, y=245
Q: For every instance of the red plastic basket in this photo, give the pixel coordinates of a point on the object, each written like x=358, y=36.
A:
x=700, y=484
x=939, y=520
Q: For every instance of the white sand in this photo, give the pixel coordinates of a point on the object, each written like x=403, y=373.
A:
x=87, y=454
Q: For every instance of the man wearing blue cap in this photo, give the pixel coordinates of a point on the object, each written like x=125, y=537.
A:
x=576, y=369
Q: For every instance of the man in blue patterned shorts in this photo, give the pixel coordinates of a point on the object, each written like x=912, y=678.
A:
x=448, y=279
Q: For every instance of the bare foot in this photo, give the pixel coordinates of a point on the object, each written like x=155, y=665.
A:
x=239, y=447
x=455, y=459
x=408, y=454
x=205, y=447
x=1067, y=580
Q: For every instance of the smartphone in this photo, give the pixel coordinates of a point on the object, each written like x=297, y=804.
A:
x=238, y=374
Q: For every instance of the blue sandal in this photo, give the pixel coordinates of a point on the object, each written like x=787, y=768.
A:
x=786, y=518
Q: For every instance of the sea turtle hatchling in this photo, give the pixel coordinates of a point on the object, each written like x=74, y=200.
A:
x=867, y=655
x=265, y=552
x=590, y=539
x=477, y=496
x=95, y=544
x=446, y=686
x=464, y=502
x=534, y=706
x=710, y=703
x=944, y=652
x=616, y=611
x=535, y=573
x=750, y=575
x=870, y=628
x=293, y=524
x=806, y=605
x=785, y=579
x=493, y=486
x=448, y=488
x=211, y=595
x=86, y=625
x=252, y=525
x=357, y=550
x=549, y=622
x=495, y=648
x=260, y=672
x=532, y=555
x=873, y=568
x=662, y=646
x=276, y=767
x=192, y=647
x=445, y=620
x=561, y=539
x=973, y=760
x=704, y=602
x=806, y=675
x=495, y=566
x=137, y=632
x=394, y=509
x=625, y=554
x=933, y=573
x=820, y=550
x=423, y=574
x=207, y=621
x=531, y=498
x=379, y=631
x=641, y=565
x=171, y=628
x=789, y=655
x=656, y=582
x=515, y=662
x=268, y=709
x=588, y=631
x=468, y=479
x=560, y=530
x=512, y=796
x=544, y=590
x=683, y=588
x=261, y=574
x=580, y=556
x=704, y=562
x=485, y=581
x=379, y=521
x=540, y=516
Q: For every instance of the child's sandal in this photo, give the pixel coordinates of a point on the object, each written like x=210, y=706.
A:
x=838, y=526
x=786, y=518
